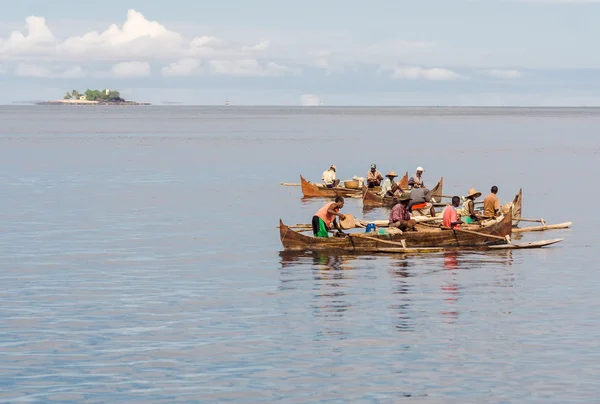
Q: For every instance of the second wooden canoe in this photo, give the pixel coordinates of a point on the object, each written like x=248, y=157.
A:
x=371, y=199
x=311, y=190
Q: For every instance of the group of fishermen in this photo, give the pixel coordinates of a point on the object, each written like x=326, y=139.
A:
x=407, y=205
x=388, y=185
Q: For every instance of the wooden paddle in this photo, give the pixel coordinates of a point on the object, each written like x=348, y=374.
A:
x=507, y=239
x=520, y=219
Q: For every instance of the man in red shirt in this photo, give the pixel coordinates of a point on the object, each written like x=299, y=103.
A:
x=324, y=219
x=450, y=216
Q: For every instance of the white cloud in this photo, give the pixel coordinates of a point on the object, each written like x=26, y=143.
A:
x=321, y=59
x=420, y=73
x=248, y=68
x=74, y=72
x=29, y=70
x=142, y=41
x=259, y=47
x=38, y=35
x=184, y=67
x=505, y=74
x=309, y=100
x=32, y=70
x=240, y=68
x=131, y=69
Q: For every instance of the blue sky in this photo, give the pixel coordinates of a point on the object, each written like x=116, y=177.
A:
x=443, y=52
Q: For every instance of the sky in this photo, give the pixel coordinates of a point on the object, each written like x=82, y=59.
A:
x=330, y=52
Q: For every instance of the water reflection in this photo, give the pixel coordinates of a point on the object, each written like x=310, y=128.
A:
x=334, y=290
x=383, y=212
x=450, y=289
x=454, y=262
x=331, y=276
x=399, y=273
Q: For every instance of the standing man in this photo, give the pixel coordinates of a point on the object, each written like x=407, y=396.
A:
x=324, y=219
x=491, y=204
x=416, y=181
x=374, y=177
x=329, y=177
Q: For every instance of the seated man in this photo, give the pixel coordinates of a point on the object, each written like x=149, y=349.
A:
x=491, y=204
x=329, y=177
x=420, y=202
x=416, y=181
x=400, y=216
x=467, y=213
x=374, y=177
x=450, y=215
x=324, y=219
x=389, y=186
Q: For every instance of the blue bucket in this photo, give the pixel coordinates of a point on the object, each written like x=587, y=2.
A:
x=370, y=227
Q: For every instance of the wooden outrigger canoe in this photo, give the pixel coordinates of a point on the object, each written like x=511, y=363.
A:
x=371, y=199
x=312, y=190
x=425, y=237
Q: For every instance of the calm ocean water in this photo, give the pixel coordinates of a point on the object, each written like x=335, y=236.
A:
x=139, y=259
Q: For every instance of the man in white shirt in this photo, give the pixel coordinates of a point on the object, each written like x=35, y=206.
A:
x=329, y=177
x=389, y=186
x=416, y=181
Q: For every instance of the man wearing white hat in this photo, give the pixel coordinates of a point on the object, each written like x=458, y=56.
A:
x=416, y=181
x=329, y=177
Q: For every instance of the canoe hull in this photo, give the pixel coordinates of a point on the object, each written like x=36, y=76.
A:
x=310, y=190
x=425, y=237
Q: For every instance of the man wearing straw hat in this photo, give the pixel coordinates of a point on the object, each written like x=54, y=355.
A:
x=416, y=181
x=329, y=177
x=467, y=213
x=389, y=187
x=400, y=215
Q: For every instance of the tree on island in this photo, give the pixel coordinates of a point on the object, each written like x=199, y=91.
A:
x=106, y=95
x=96, y=95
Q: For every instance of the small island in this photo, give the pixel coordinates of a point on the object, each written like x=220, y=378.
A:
x=93, y=97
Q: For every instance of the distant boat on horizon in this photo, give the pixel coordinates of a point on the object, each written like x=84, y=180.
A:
x=26, y=102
